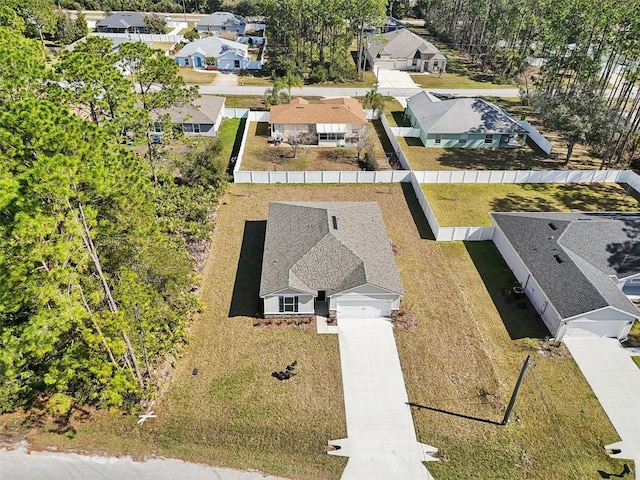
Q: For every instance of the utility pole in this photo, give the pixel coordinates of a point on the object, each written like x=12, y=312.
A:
x=512, y=402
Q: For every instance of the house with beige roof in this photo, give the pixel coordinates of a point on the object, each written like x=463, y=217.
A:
x=200, y=118
x=334, y=122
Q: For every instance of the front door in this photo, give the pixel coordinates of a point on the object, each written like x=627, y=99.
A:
x=198, y=62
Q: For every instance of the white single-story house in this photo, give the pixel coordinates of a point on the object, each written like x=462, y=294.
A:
x=201, y=118
x=219, y=22
x=333, y=256
x=228, y=55
x=335, y=121
x=403, y=50
x=123, y=22
x=463, y=123
x=576, y=268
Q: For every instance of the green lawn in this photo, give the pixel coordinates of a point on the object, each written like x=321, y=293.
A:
x=461, y=363
x=197, y=77
x=259, y=154
x=228, y=134
x=453, y=80
x=636, y=360
x=526, y=158
x=469, y=204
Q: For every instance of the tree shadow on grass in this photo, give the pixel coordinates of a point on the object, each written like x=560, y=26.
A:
x=416, y=212
x=245, y=301
x=519, y=317
x=497, y=159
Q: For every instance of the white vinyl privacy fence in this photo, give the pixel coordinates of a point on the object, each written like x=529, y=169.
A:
x=486, y=233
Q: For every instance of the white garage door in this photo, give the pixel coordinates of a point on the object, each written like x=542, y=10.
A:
x=598, y=328
x=363, y=308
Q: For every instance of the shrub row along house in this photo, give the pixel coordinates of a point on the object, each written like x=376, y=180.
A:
x=463, y=123
x=330, y=257
x=335, y=121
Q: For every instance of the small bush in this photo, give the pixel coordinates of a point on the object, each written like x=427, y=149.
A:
x=370, y=162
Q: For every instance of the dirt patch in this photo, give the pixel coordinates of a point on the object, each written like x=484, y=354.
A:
x=556, y=350
x=406, y=319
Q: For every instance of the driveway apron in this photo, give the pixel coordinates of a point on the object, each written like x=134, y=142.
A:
x=381, y=440
x=615, y=379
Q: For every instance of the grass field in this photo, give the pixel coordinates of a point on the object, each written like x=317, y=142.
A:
x=526, y=158
x=470, y=204
x=194, y=77
x=227, y=134
x=460, y=365
x=261, y=155
x=452, y=80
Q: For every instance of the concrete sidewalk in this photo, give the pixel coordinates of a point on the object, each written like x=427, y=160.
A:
x=21, y=465
x=381, y=439
x=615, y=380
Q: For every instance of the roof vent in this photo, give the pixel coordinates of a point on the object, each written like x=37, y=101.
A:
x=553, y=226
x=558, y=258
x=334, y=221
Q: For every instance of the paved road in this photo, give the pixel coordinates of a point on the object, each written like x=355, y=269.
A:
x=381, y=440
x=615, y=380
x=20, y=465
x=360, y=92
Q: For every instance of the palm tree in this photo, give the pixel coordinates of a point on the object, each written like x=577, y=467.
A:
x=276, y=95
x=291, y=80
x=374, y=100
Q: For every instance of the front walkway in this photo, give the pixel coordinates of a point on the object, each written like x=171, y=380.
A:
x=381, y=440
x=615, y=379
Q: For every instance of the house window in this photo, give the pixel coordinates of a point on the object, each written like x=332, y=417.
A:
x=187, y=127
x=186, y=62
x=288, y=304
x=196, y=128
x=462, y=139
x=157, y=127
x=331, y=136
x=236, y=63
x=488, y=138
x=438, y=139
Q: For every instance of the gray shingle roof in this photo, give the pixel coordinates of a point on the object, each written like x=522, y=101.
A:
x=572, y=255
x=205, y=109
x=401, y=44
x=461, y=115
x=222, y=19
x=304, y=251
x=123, y=20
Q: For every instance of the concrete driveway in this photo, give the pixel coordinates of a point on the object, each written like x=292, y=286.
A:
x=381, y=439
x=388, y=79
x=615, y=380
x=20, y=465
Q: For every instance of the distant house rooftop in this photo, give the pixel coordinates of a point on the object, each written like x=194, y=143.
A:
x=122, y=20
x=222, y=19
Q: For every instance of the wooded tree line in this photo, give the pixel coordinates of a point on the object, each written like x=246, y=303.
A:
x=313, y=37
x=95, y=278
x=589, y=54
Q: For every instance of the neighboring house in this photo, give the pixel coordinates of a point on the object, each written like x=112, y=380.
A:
x=203, y=117
x=219, y=22
x=333, y=256
x=403, y=50
x=463, y=123
x=123, y=22
x=228, y=55
x=575, y=267
x=390, y=25
x=335, y=121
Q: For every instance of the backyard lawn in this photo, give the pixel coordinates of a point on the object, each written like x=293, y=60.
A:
x=457, y=205
x=526, y=158
x=460, y=364
x=259, y=154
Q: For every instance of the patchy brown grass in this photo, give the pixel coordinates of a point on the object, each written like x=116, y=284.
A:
x=259, y=154
x=470, y=204
x=461, y=362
